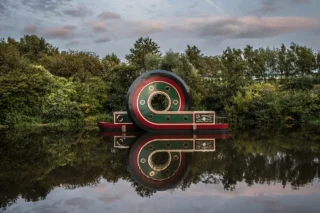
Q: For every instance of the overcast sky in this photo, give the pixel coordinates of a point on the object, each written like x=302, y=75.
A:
x=106, y=26
x=120, y=197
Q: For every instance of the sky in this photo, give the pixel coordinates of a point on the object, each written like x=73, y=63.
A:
x=112, y=26
x=120, y=197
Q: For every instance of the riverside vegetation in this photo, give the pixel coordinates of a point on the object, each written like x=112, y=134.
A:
x=264, y=87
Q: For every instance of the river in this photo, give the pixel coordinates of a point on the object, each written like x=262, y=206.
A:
x=59, y=171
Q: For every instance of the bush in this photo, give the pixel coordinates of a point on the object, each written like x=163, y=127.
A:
x=119, y=79
x=302, y=83
x=91, y=94
x=10, y=58
x=34, y=92
x=299, y=107
x=260, y=105
x=215, y=98
x=68, y=64
x=255, y=105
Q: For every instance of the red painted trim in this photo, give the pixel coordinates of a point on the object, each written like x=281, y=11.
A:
x=190, y=126
x=117, y=133
x=176, y=136
x=111, y=126
x=189, y=136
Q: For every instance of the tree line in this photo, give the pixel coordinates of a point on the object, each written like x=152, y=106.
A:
x=252, y=87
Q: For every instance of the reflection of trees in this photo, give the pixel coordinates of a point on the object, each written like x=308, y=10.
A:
x=34, y=163
x=142, y=191
x=258, y=158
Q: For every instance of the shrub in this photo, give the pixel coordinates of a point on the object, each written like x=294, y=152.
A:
x=255, y=105
x=261, y=105
x=34, y=92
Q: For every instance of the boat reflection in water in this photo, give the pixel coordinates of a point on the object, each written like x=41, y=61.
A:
x=160, y=162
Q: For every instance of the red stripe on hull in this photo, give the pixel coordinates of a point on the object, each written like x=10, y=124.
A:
x=112, y=127
x=106, y=126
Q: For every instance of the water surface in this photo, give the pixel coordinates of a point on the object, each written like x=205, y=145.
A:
x=83, y=171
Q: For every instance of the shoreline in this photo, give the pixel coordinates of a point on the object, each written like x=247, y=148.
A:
x=84, y=125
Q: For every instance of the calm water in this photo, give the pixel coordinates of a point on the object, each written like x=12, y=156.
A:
x=83, y=171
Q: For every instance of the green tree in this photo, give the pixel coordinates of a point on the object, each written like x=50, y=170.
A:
x=119, y=79
x=234, y=67
x=282, y=61
x=211, y=68
x=195, y=56
x=318, y=63
x=271, y=60
x=286, y=61
x=260, y=65
x=91, y=95
x=110, y=61
x=306, y=61
x=33, y=94
x=170, y=60
x=59, y=103
x=141, y=49
x=249, y=56
x=153, y=61
x=73, y=63
x=34, y=48
x=255, y=106
x=192, y=78
x=10, y=58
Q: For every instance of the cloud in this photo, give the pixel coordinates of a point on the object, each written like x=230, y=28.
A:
x=108, y=15
x=194, y=5
x=53, y=6
x=73, y=43
x=30, y=29
x=80, y=202
x=99, y=27
x=108, y=199
x=252, y=27
x=206, y=28
x=79, y=11
x=60, y=32
x=3, y=6
x=269, y=6
x=102, y=40
x=210, y=27
x=6, y=7
x=123, y=29
x=147, y=28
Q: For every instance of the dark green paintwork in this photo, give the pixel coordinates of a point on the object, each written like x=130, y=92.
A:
x=162, y=118
x=159, y=86
x=169, y=146
x=174, y=118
